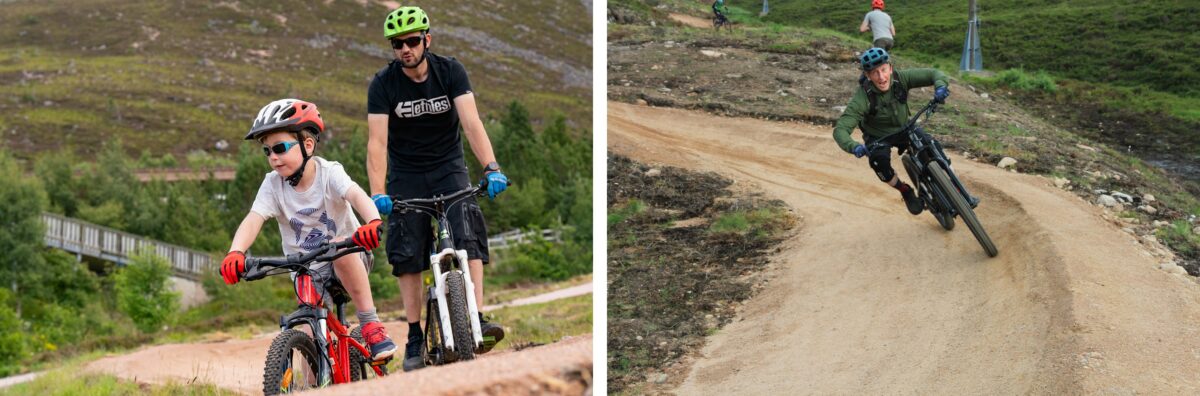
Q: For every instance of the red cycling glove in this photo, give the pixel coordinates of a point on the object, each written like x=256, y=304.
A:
x=233, y=266
x=367, y=236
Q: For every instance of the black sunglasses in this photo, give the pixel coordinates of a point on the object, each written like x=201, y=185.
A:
x=279, y=148
x=412, y=42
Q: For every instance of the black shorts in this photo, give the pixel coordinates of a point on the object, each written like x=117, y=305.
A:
x=410, y=236
x=880, y=154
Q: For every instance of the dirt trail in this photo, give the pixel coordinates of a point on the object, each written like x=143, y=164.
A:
x=871, y=300
x=692, y=21
x=238, y=364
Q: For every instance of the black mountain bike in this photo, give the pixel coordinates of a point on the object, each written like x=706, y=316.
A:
x=720, y=20
x=452, y=329
x=937, y=186
x=332, y=354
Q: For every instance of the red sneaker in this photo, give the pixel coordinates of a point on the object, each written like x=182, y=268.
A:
x=378, y=341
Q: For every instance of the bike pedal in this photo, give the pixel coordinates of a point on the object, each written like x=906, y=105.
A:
x=382, y=362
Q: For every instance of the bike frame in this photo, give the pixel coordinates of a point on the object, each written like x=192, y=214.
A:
x=334, y=358
x=444, y=253
x=925, y=152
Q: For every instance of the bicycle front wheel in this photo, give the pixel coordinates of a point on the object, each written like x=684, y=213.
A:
x=964, y=210
x=460, y=316
x=292, y=364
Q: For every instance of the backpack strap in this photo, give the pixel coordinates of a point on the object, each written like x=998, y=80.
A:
x=898, y=87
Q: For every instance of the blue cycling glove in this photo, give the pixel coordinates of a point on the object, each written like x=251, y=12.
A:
x=941, y=93
x=383, y=202
x=497, y=182
x=860, y=151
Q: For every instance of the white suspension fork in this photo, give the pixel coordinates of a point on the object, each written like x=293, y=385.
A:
x=439, y=291
x=472, y=308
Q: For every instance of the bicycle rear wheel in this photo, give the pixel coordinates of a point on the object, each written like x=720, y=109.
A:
x=435, y=349
x=292, y=364
x=964, y=210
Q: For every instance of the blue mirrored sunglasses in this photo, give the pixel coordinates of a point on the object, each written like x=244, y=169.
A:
x=279, y=148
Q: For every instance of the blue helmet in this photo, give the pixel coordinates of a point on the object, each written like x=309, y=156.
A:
x=873, y=58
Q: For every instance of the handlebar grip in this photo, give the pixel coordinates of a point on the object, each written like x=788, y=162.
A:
x=253, y=271
x=346, y=243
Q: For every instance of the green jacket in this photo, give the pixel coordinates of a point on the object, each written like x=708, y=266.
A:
x=890, y=114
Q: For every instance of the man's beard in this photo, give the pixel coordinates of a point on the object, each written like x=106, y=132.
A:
x=416, y=60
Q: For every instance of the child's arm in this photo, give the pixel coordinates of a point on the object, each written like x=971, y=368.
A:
x=247, y=232
x=234, y=263
x=362, y=204
x=368, y=235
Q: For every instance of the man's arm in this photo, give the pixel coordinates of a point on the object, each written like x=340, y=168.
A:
x=893, y=27
x=917, y=78
x=468, y=114
x=865, y=26
x=377, y=140
x=854, y=114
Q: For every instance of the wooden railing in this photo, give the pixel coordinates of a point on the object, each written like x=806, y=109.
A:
x=507, y=239
x=84, y=238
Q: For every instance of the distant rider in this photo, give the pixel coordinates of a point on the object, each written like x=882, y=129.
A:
x=883, y=32
x=719, y=10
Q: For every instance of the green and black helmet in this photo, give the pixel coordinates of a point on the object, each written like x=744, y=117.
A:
x=405, y=20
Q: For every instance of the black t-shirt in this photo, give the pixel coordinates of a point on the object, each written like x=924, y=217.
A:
x=422, y=120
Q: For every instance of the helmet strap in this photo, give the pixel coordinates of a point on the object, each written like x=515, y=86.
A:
x=294, y=179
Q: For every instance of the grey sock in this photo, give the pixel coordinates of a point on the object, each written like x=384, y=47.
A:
x=365, y=317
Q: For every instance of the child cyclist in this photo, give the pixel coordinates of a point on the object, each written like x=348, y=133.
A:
x=311, y=198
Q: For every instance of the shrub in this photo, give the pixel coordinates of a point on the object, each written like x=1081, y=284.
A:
x=143, y=293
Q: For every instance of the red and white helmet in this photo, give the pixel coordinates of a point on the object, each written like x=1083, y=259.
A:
x=292, y=115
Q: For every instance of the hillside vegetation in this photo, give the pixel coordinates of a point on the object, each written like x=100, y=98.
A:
x=180, y=76
x=1152, y=44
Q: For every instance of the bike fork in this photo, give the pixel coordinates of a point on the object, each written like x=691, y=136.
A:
x=472, y=309
x=440, y=292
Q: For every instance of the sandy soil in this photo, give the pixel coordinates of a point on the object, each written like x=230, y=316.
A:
x=692, y=21
x=238, y=365
x=869, y=299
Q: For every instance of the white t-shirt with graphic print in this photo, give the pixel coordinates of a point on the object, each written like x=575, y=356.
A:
x=307, y=219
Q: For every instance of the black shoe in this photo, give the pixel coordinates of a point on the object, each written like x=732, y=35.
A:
x=412, y=354
x=915, y=206
x=492, y=334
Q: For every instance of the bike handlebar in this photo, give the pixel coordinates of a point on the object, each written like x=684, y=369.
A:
x=403, y=204
x=931, y=107
x=259, y=267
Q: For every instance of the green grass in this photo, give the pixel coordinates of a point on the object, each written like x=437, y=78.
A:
x=1179, y=236
x=1125, y=43
x=69, y=380
x=631, y=208
x=545, y=323
x=757, y=223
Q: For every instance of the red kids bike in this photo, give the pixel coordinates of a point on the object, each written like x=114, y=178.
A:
x=332, y=354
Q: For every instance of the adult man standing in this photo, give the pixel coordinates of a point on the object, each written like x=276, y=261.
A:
x=416, y=105
x=880, y=24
